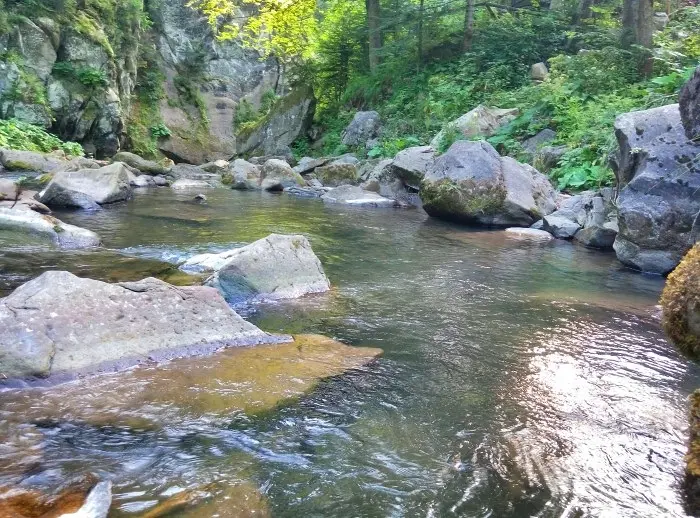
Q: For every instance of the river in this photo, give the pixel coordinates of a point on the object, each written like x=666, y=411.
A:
x=518, y=378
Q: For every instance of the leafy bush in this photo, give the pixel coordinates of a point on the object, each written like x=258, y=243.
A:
x=15, y=134
x=92, y=77
x=160, y=131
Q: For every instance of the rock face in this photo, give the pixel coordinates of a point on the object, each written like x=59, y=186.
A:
x=364, y=126
x=356, y=196
x=680, y=301
x=482, y=121
x=658, y=208
x=471, y=183
x=276, y=267
x=88, y=188
x=689, y=103
x=59, y=323
x=277, y=175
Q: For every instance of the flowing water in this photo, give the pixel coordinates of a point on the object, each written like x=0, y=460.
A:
x=518, y=378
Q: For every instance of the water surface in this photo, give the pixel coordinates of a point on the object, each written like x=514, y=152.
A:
x=518, y=379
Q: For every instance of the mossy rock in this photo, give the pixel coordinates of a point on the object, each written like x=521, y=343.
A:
x=334, y=175
x=466, y=201
x=680, y=301
x=692, y=459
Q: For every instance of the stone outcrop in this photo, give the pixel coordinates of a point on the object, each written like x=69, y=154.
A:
x=59, y=323
x=689, y=104
x=482, y=121
x=657, y=210
x=471, y=183
x=364, y=127
x=276, y=267
x=88, y=188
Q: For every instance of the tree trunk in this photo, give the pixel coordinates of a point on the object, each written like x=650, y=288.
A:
x=638, y=27
x=375, y=33
x=584, y=10
x=420, y=35
x=468, y=26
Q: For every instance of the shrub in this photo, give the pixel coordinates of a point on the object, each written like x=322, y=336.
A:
x=15, y=134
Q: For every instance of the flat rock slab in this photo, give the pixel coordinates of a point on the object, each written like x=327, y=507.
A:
x=22, y=219
x=356, y=196
x=61, y=324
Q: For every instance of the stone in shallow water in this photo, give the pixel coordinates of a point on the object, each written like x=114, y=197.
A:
x=352, y=195
x=529, y=233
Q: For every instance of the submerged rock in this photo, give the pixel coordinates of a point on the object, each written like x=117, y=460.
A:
x=88, y=188
x=357, y=197
x=472, y=183
x=276, y=267
x=60, y=323
x=680, y=301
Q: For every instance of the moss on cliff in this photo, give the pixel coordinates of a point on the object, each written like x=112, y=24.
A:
x=680, y=301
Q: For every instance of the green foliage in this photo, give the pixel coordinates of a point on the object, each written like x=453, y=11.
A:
x=450, y=135
x=89, y=77
x=160, y=130
x=15, y=134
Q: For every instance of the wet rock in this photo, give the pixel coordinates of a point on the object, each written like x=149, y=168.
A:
x=336, y=174
x=21, y=218
x=356, y=196
x=472, y=183
x=31, y=161
x=363, y=127
x=201, y=197
x=160, y=181
x=143, y=165
x=529, y=233
x=276, y=267
x=680, y=301
x=88, y=188
x=305, y=192
x=411, y=164
x=278, y=174
x=59, y=323
x=596, y=236
x=186, y=183
x=233, y=501
x=560, y=227
x=84, y=500
x=689, y=105
x=143, y=180
x=482, y=121
x=246, y=176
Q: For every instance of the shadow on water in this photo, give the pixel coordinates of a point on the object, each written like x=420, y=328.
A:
x=518, y=378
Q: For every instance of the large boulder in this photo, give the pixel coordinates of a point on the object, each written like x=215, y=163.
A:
x=482, y=121
x=680, y=302
x=59, y=323
x=336, y=173
x=276, y=267
x=689, y=102
x=277, y=175
x=471, y=183
x=357, y=197
x=88, y=188
x=411, y=164
x=137, y=162
x=31, y=161
x=363, y=127
x=657, y=210
x=245, y=176
x=382, y=177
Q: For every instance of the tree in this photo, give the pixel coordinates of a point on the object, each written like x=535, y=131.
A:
x=468, y=26
x=638, y=27
x=375, y=33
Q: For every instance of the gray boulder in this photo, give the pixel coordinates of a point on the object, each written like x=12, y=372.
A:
x=276, y=267
x=657, y=210
x=88, y=188
x=482, y=121
x=60, y=323
x=22, y=218
x=336, y=174
x=380, y=176
x=560, y=227
x=246, y=176
x=539, y=72
x=307, y=164
x=363, y=127
x=597, y=236
x=357, y=197
x=471, y=183
x=411, y=164
x=689, y=103
x=143, y=165
x=532, y=145
x=31, y=161
x=277, y=175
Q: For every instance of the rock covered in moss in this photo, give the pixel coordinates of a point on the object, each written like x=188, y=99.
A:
x=471, y=183
x=692, y=458
x=31, y=161
x=680, y=301
x=137, y=162
x=336, y=174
